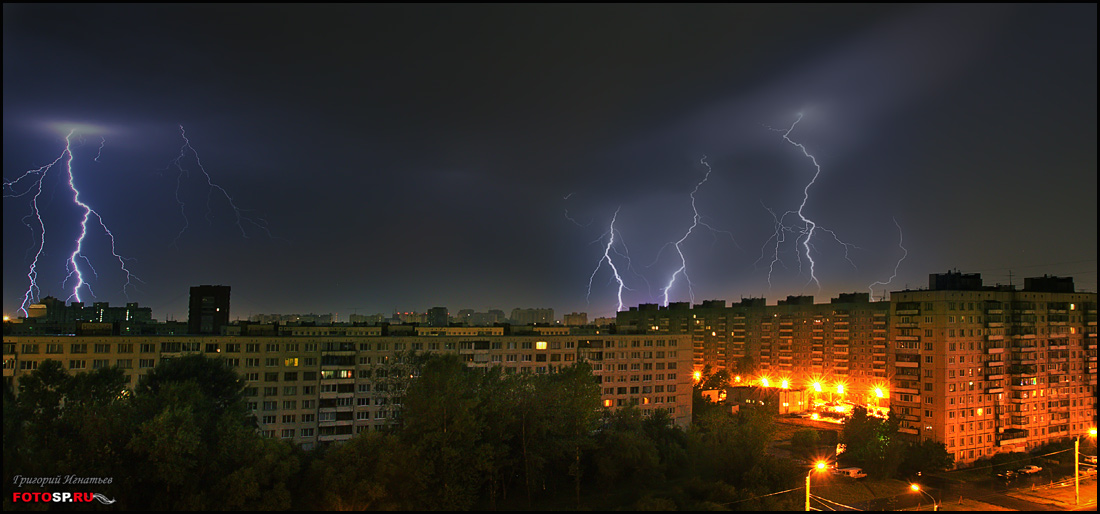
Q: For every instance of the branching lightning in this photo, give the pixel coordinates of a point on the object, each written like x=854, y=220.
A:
x=901, y=239
x=73, y=264
x=805, y=231
x=241, y=217
x=696, y=220
x=607, y=257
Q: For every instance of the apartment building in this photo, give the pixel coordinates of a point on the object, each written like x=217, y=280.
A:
x=322, y=384
x=983, y=369
x=986, y=369
x=840, y=342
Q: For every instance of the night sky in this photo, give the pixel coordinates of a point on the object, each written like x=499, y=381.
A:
x=405, y=157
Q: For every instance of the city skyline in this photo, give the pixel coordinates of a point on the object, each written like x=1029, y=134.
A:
x=382, y=157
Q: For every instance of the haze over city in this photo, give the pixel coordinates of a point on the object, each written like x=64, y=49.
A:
x=364, y=158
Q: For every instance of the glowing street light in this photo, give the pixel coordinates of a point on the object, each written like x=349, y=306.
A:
x=697, y=375
x=917, y=489
x=785, y=384
x=764, y=382
x=839, y=388
x=879, y=393
x=1077, y=465
x=818, y=466
x=817, y=387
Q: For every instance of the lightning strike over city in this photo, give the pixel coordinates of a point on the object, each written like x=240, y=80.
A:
x=607, y=257
x=72, y=265
x=237, y=211
x=695, y=221
x=904, y=254
x=444, y=173
x=808, y=227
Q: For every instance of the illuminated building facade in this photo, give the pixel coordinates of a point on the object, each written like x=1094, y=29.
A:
x=981, y=369
x=986, y=369
x=320, y=384
x=844, y=340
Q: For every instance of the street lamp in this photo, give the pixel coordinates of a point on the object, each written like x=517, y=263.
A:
x=819, y=466
x=1077, y=465
x=917, y=489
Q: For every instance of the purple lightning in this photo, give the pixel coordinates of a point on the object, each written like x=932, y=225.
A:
x=72, y=266
x=901, y=239
x=697, y=220
x=806, y=232
x=607, y=257
x=184, y=150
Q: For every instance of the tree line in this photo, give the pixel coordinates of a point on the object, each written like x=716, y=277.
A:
x=467, y=438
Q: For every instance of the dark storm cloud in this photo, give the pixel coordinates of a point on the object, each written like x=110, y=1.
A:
x=417, y=155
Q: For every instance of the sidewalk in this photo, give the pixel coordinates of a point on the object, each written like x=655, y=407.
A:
x=1059, y=495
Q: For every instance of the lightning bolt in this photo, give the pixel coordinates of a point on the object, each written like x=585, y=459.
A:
x=72, y=265
x=806, y=232
x=241, y=217
x=779, y=236
x=901, y=239
x=696, y=220
x=607, y=257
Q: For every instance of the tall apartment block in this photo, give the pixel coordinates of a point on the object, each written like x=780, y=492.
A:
x=986, y=369
x=208, y=309
x=982, y=369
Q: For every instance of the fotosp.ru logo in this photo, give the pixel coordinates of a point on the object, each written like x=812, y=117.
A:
x=66, y=497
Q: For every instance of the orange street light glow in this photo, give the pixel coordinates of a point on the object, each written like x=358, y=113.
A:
x=879, y=393
x=820, y=465
x=764, y=382
x=785, y=384
x=697, y=375
x=1092, y=432
x=914, y=487
x=840, y=389
x=817, y=387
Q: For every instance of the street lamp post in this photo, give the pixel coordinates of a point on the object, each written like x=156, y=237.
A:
x=917, y=488
x=1077, y=465
x=819, y=466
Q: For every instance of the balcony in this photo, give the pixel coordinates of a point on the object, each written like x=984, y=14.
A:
x=1012, y=437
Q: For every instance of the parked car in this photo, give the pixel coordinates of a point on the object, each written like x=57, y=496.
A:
x=1007, y=475
x=1027, y=470
x=850, y=472
x=1090, y=459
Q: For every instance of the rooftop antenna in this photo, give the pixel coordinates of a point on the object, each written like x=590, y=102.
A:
x=1009, y=278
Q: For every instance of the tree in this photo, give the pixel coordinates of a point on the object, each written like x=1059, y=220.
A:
x=925, y=457
x=805, y=442
x=873, y=443
x=441, y=424
x=372, y=471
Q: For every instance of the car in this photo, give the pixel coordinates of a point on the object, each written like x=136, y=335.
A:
x=1089, y=459
x=1027, y=470
x=850, y=472
x=1007, y=475
x=1085, y=472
